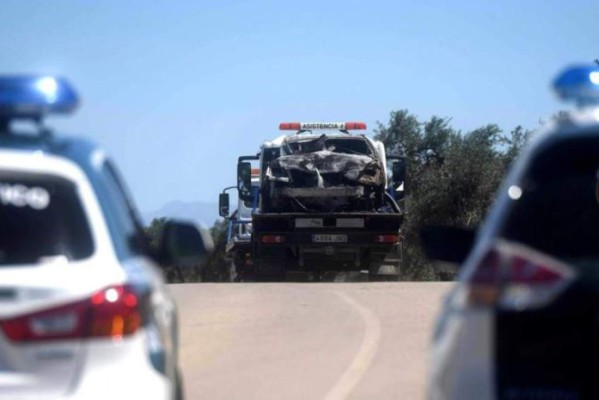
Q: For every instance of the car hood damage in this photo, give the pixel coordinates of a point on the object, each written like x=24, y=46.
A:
x=325, y=181
x=351, y=168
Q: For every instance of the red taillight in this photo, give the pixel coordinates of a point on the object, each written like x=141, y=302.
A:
x=386, y=239
x=115, y=313
x=512, y=276
x=112, y=312
x=273, y=239
x=57, y=323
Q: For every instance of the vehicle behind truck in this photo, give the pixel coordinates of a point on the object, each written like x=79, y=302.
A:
x=326, y=201
x=238, y=248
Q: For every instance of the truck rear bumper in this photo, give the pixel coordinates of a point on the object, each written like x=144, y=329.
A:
x=383, y=258
x=326, y=241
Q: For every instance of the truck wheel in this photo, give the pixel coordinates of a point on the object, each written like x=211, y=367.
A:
x=373, y=275
x=271, y=271
x=317, y=276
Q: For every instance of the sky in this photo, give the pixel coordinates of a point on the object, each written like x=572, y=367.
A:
x=177, y=90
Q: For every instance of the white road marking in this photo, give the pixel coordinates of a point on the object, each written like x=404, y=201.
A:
x=363, y=357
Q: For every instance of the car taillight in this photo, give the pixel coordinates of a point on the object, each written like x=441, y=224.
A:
x=112, y=312
x=515, y=277
x=273, y=239
x=386, y=239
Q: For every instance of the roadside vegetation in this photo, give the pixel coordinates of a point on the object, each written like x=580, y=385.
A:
x=452, y=180
x=452, y=176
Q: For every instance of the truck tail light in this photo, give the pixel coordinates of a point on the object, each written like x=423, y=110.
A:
x=113, y=312
x=273, y=239
x=386, y=239
x=514, y=277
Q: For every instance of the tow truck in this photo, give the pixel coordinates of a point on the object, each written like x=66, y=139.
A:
x=324, y=202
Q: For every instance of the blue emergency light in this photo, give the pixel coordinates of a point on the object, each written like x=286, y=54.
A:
x=28, y=96
x=579, y=83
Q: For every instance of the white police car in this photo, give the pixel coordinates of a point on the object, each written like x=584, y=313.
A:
x=522, y=322
x=84, y=310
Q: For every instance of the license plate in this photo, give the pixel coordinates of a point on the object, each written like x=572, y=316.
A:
x=308, y=222
x=329, y=238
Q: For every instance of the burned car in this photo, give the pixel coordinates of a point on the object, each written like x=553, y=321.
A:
x=326, y=173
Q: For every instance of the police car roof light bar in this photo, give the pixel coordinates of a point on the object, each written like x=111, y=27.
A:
x=579, y=83
x=34, y=97
x=309, y=126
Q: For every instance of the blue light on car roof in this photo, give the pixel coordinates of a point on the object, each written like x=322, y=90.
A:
x=35, y=96
x=579, y=83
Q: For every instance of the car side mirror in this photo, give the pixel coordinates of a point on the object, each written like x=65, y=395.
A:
x=447, y=244
x=223, y=205
x=244, y=180
x=184, y=244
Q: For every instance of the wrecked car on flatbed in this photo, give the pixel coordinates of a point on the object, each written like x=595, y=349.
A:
x=326, y=202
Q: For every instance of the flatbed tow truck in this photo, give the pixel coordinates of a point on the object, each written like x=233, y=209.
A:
x=325, y=202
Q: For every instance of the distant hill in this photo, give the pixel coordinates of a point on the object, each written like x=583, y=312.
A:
x=197, y=211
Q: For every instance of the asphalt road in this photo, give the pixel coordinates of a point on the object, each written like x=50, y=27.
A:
x=306, y=341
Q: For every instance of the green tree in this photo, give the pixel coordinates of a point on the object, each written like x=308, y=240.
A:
x=216, y=268
x=452, y=176
x=153, y=232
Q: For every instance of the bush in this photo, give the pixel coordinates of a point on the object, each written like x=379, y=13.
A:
x=452, y=177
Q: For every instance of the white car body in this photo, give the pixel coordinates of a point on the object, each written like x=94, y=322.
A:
x=91, y=367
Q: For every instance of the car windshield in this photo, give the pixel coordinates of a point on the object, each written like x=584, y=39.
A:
x=350, y=145
x=41, y=220
x=556, y=207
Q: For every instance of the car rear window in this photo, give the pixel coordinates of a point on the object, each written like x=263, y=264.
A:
x=350, y=145
x=41, y=219
x=555, y=208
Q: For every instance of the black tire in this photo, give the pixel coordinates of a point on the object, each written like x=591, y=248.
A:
x=271, y=271
x=373, y=275
x=317, y=276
